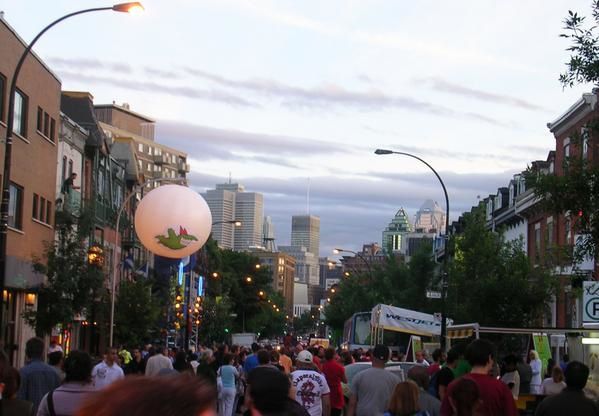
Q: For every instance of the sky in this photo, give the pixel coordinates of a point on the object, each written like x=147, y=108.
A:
x=287, y=96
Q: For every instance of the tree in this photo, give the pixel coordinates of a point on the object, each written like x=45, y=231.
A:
x=72, y=283
x=137, y=313
x=492, y=281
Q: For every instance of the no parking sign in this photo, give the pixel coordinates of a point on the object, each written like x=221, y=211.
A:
x=590, y=302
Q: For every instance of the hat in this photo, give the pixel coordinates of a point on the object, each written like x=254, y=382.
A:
x=304, y=357
x=381, y=352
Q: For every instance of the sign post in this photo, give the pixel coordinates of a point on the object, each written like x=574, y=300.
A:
x=590, y=303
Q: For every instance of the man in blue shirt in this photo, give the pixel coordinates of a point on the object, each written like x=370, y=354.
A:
x=251, y=360
x=37, y=377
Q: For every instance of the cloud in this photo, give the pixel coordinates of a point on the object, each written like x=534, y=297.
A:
x=179, y=91
x=209, y=142
x=161, y=73
x=445, y=86
x=85, y=63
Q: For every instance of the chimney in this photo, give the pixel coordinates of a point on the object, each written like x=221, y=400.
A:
x=126, y=106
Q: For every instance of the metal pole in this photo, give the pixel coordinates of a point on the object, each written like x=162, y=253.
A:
x=116, y=246
x=8, y=153
x=444, y=276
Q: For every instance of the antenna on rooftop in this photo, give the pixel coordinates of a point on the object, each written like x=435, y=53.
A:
x=229, y=177
x=308, y=198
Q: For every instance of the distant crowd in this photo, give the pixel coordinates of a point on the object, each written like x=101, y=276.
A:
x=287, y=380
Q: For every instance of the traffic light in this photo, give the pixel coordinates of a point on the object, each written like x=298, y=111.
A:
x=226, y=330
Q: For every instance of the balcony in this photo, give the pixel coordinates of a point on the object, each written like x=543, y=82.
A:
x=183, y=167
x=72, y=202
x=160, y=159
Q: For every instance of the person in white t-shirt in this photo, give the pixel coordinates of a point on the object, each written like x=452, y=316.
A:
x=311, y=388
x=511, y=378
x=108, y=371
x=554, y=384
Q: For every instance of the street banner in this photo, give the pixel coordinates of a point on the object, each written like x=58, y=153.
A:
x=392, y=318
x=541, y=346
x=590, y=302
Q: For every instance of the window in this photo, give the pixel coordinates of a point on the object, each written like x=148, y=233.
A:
x=568, y=229
x=20, y=114
x=48, y=212
x=64, y=168
x=15, y=207
x=140, y=147
x=35, y=207
x=52, y=129
x=40, y=119
x=567, y=148
x=537, y=241
x=550, y=231
x=42, y=212
x=2, y=91
x=46, y=125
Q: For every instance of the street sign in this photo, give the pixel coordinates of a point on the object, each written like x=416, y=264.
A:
x=431, y=294
x=590, y=302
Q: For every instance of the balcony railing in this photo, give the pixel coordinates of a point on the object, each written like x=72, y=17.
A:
x=72, y=202
x=183, y=167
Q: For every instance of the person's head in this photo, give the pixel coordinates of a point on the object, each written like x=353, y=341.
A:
x=78, y=367
x=404, y=400
x=452, y=358
x=438, y=355
x=357, y=356
x=510, y=363
x=110, y=355
x=347, y=358
x=533, y=355
x=55, y=358
x=187, y=395
x=304, y=360
x=321, y=350
x=576, y=375
x=268, y=391
x=419, y=375
x=480, y=353
x=255, y=347
x=34, y=348
x=557, y=374
x=380, y=355
x=329, y=354
x=274, y=357
x=464, y=397
x=73, y=175
x=419, y=356
x=228, y=359
x=136, y=354
x=263, y=357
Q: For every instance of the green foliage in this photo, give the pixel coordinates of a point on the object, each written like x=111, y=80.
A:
x=136, y=313
x=216, y=318
x=584, y=59
x=394, y=284
x=491, y=281
x=72, y=284
x=305, y=324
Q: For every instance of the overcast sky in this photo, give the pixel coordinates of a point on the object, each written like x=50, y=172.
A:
x=285, y=95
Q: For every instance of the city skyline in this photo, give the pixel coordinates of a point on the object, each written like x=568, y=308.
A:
x=289, y=97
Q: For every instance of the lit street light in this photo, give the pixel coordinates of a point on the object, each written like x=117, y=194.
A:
x=122, y=7
x=444, y=283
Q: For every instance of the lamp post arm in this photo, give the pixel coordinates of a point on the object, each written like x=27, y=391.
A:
x=116, y=245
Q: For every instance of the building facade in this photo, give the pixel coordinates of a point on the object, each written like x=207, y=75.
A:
x=282, y=267
x=430, y=218
x=305, y=232
x=306, y=264
x=397, y=228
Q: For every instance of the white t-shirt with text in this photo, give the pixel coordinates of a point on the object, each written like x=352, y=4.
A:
x=310, y=386
x=104, y=374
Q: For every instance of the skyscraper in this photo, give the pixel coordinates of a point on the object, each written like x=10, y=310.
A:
x=229, y=202
x=430, y=218
x=393, y=234
x=305, y=232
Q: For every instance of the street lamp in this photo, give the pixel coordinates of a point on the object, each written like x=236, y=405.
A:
x=122, y=7
x=116, y=245
x=236, y=223
x=444, y=283
x=360, y=256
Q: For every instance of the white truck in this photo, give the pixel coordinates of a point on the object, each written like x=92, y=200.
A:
x=243, y=339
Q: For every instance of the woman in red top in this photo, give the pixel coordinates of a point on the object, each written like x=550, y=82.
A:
x=335, y=375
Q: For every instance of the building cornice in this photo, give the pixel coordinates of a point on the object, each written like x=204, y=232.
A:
x=580, y=109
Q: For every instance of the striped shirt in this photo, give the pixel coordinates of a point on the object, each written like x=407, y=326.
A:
x=67, y=399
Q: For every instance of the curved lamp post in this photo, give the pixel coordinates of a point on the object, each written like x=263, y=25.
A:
x=123, y=7
x=360, y=256
x=116, y=245
x=444, y=283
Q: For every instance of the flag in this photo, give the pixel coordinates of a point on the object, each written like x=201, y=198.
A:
x=128, y=263
x=143, y=271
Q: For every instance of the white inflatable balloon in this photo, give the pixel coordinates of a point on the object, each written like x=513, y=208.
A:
x=173, y=221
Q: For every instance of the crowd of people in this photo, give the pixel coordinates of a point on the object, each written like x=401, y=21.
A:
x=286, y=380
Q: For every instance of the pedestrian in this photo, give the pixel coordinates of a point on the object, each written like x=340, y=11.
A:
x=404, y=401
x=536, y=365
x=108, y=370
x=55, y=360
x=525, y=373
x=205, y=369
x=181, y=395
x=549, y=369
x=427, y=402
x=446, y=374
x=420, y=359
x=571, y=400
x=157, y=362
x=335, y=375
x=372, y=388
x=228, y=375
x=438, y=358
x=311, y=388
x=11, y=406
x=77, y=387
x=181, y=365
x=251, y=360
x=268, y=393
x=497, y=399
x=285, y=360
x=511, y=378
x=464, y=398
x=462, y=367
x=137, y=365
x=37, y=377
x=564, y=363
x=554, y=384
x=275, y=357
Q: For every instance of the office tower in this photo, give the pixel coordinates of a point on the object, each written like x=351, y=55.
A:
x=393, y=234
x=430, y=218
x=222, y=206
x=305, y=232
